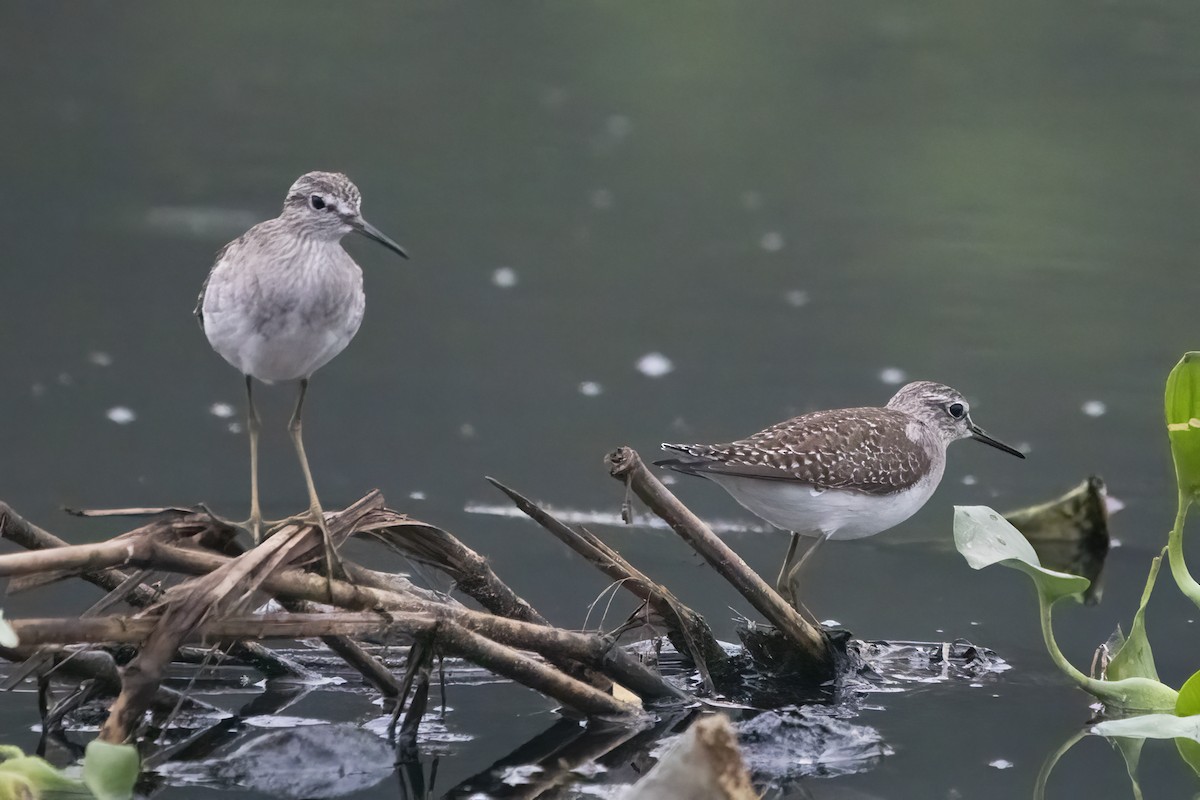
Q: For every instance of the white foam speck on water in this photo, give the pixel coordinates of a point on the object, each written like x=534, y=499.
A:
x=100, y=358
x=1094, y=408
x=416, y=495
x=969, y=480
x=221, y=410
x=65, y=379
x=975, y=685
x=618, y=126
x=200, y=222
x=654, y=365
x=516, y=776
x=1112, y=505
x=1001, y=763
x=939, y=630
x=235, y=427
x=1024, y=447
x=668, y=480
x=274, y=721
x=573, y=516
x=975, y=623
x=590, y=389
x=893, y=376
x=505, y=277
x=771, y=241
x=831, y=623
x=121, y=415
x=796, y=298
x=602, y=199
x=466, y=430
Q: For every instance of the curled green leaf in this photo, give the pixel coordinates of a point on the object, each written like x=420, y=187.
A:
x=1182, y=405
x=984, y=538
x=110, y=770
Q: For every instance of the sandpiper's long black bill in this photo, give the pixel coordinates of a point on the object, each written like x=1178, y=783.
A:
x=371, y=232
x=978, y=434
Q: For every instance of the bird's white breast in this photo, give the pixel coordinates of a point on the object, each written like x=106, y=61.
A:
x=837, y=514
x=281, y=315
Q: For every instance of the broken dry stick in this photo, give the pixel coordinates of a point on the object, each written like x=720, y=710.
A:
x=626, y=465
x=449, y=637
x=690, y=634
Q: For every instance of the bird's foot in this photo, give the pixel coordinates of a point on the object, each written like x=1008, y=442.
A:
x=255, y=526
x=316, y=518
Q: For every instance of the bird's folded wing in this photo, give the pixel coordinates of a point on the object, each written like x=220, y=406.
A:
x=867, y=450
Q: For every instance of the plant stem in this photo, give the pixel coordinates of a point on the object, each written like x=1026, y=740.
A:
x=1183, y=578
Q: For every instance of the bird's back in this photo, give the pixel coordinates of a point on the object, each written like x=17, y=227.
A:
x=876, y=451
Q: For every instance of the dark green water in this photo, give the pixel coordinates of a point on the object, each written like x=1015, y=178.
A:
x=785, y=199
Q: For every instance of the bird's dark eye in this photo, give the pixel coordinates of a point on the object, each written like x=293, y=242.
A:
x=317, y=202
x=957, y=410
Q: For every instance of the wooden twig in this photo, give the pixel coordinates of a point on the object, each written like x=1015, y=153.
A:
x=223, y=590
x=449, y=637
x=688, y=631
x=100, y=667
x=20, y=531
x=554, y=644
x=471, y=573
x=626, y=466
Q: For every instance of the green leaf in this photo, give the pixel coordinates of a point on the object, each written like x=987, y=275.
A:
x=1188, y=705
x=984, y=538
x=1135, y=659
x=1182, y=404
x=110, y=770
x=30, y=776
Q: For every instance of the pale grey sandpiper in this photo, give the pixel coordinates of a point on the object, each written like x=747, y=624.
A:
x=283, y=299
x=846, y=473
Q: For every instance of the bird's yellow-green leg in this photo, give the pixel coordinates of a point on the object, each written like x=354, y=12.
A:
x=794, y=573
x=781, y=585
x=255, y=526
x=316, y=514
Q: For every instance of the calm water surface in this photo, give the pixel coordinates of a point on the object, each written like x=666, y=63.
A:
x=784, y=200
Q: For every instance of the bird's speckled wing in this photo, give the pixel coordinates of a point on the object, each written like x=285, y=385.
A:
x=863, y=449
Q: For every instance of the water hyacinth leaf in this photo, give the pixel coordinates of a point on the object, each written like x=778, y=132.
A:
x=29, y=776
x=1135, y=659
x=983, y=537
x=1182, y=403
x=110, y=770
x=1188, y=705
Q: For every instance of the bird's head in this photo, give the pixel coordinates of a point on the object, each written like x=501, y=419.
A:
x=945, y=411
x=328, y=205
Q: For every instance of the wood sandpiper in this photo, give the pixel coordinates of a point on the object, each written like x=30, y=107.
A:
x=283, y=299
x=847, y=473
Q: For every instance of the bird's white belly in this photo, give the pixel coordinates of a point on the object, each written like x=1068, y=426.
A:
x=291, y=350
x=830, y=512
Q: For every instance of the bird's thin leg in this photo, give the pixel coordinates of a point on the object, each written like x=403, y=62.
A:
x=253, y=425
x=794, y=573
x=315, y=512
x=780, y=583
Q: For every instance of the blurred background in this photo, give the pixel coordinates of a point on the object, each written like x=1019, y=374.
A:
x=631, y=223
